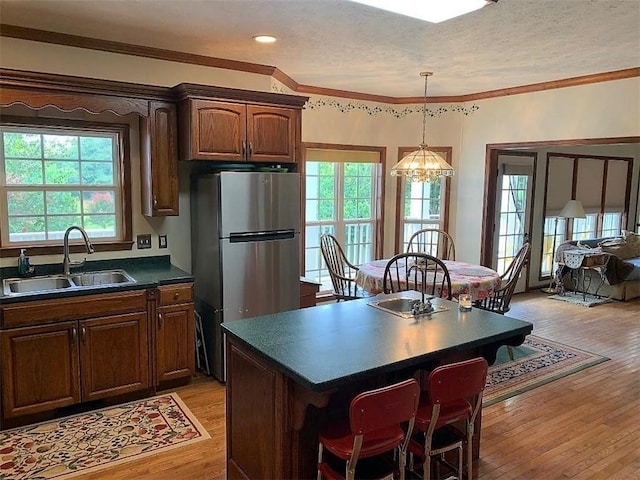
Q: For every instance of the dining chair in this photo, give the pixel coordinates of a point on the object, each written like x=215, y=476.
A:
x=434, y=242
x=417, y=271
x=342, y=272
x=453, y=397
x=501, y=300
x=374, y=428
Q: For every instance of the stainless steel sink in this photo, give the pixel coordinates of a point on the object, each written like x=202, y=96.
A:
x=37, y=284
x=91, y=279
x=403, y=306
x=77, y=281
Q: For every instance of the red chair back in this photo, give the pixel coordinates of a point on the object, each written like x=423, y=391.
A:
x=458, y=380
x=384, y=407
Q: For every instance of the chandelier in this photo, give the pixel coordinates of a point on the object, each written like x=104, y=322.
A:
x=423, y=165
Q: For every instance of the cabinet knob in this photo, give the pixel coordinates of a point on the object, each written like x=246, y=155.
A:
x=250, y=150
x=155, y=201
x=176, y=296
x=74, y=334
x=159, y=320
x=83, y=334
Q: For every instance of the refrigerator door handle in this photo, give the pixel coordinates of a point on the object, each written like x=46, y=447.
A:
x=261, y=236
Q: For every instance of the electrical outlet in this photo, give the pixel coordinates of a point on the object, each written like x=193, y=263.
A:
x=144, y=241
x=162, y=241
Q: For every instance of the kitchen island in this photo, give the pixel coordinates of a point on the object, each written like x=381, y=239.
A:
x=288, y=373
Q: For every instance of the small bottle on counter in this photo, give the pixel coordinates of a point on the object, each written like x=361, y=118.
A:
x=24, y=267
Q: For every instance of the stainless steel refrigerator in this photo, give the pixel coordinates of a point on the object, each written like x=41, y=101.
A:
x=245, y=231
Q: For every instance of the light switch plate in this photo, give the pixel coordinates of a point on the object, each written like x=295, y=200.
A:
x=143, y=241
x=162, y=241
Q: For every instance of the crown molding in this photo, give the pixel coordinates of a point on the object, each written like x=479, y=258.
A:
x=24, y=33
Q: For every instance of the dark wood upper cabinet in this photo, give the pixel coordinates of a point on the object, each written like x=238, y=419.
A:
x=273, y=134
x=159, y=160
x=232, y=125
x=211, y=130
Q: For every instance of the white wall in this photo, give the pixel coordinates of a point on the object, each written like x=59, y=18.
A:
x=592, y=111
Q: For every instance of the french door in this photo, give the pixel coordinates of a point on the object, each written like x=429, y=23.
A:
x=513, y=211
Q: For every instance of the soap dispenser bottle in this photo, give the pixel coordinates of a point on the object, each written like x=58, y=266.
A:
x=24, y=267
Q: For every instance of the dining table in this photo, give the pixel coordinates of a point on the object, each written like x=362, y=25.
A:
x=477, y=280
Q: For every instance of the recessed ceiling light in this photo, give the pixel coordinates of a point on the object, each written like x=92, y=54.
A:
x=264, y=38
x=434, y=11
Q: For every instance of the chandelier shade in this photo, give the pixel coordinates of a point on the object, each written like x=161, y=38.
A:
x=423, y=165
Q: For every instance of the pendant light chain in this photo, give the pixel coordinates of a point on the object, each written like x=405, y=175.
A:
x=424, y=108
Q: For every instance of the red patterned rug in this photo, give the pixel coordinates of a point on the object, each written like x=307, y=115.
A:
x=72, y=445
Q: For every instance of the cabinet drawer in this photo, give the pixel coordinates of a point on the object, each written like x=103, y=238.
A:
x=73, y=308
x=174, y=294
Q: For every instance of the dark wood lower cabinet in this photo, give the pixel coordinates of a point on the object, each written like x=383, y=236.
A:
x=114, y=355
x=40, y=368
x=175, y=344
x=55, y=353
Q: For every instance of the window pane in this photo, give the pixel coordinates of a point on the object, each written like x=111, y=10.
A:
x=58, y=224
x=25, y=203
x=63, y=203
x=23, y=172
x=96, y=148
x=22, y=229
x=59, y=147
x=326, y=209
x=62, y=173
x=97, y=173
x=21, y=145
x=99, y=202
x=100, y=225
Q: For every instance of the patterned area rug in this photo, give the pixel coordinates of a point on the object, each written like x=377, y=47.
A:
x=587, y=300
x=536, y=362
x=70, y=446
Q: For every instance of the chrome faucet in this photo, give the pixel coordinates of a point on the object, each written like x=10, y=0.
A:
x=66, y=261
x=420, y=307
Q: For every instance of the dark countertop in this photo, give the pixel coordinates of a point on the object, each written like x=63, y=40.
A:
x=148, y=272
x=330, y=345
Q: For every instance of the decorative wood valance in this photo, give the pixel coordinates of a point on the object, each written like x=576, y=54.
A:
x=67, y=93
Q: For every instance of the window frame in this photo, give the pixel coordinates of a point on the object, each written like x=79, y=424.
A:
x=446, y=153
x=378, y=216
x=123, y=213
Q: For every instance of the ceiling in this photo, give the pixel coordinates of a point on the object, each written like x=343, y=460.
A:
x=337, y=44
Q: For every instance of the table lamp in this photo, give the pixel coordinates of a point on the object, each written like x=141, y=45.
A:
x=573, y=209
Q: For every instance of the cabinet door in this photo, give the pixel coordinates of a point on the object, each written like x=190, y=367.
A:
x=272, y=134
x=218, y=130
x=175, y=342
x=159, y=160
x=39, y=368
x=114, y=355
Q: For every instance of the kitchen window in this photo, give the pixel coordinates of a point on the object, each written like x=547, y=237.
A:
x=55, y=174
x=343, y=198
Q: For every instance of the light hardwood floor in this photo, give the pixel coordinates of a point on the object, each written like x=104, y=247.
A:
x=584, y=426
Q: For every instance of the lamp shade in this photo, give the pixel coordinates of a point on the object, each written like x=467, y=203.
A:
x=573, y=209
x=422, y=165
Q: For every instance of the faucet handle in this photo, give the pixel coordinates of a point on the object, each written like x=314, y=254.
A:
x=78, y=264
